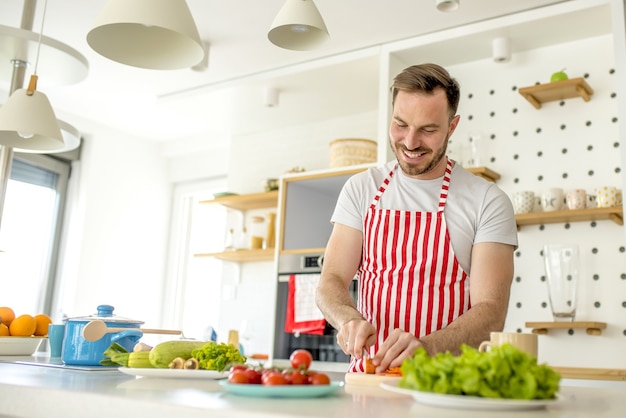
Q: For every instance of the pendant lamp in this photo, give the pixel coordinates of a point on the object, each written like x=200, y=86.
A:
x=27, y=121
x=151, y=34
x=298, y=26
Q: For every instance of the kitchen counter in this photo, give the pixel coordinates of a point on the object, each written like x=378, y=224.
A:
x=38, y=391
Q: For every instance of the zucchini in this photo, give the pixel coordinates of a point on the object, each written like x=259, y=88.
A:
x=139, y=359
x=163, y=353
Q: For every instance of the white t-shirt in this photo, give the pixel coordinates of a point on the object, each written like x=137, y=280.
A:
x=476, y=210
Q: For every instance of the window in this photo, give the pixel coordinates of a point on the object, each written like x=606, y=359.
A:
x=193, y=299
x=30, y=232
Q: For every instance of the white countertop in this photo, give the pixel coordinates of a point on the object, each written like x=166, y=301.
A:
x=38, y=391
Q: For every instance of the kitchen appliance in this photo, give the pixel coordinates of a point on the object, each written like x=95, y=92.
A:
x=78, y=351
x=322, y=347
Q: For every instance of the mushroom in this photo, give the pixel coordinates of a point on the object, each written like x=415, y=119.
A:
x=177, y=363
x=191, y=364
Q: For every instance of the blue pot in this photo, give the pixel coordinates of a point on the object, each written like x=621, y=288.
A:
x=78, y=351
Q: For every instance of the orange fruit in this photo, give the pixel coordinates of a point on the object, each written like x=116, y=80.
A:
x=42, y=321
x=23, y=326
x=7, y=315
x=4, y=330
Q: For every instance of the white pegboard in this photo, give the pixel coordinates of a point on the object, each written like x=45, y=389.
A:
x=567, y=144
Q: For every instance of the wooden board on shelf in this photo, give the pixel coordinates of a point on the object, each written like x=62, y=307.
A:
x=558, y=90
x=614, y=214
x=593, y=328
x=590, y=373
x=241, y=256
x=246, y=201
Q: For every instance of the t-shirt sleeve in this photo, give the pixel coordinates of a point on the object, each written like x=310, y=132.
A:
x=497, y=223
x=348, y=210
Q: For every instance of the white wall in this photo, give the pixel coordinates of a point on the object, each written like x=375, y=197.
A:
x=115, y=251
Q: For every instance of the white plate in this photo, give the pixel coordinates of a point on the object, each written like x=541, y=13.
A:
x=469, y=402
x=19, y=346
x=174, y=373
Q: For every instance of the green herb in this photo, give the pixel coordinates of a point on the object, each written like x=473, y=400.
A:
x=502, y=372
x=115, y=355
x=217, y=356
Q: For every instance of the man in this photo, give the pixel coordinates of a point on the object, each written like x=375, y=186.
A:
x=430, y=243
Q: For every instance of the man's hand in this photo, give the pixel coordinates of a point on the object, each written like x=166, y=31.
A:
x=355, y=336
x=398, y=346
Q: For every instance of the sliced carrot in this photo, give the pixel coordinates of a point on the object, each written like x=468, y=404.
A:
x=369, y=366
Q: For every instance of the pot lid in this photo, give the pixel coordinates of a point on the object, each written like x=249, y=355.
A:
x=105, y=313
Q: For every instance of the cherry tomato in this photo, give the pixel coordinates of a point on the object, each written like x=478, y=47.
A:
x=274, y=379
x=238, y=377
x=238, y=367
x=266, y=374
x=320, y=379
x=296, y=377
x=301, y=359
x=254, y=376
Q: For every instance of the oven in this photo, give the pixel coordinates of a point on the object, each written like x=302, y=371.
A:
x=323, y=346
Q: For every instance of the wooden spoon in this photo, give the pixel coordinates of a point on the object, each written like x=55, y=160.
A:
x=96, y=329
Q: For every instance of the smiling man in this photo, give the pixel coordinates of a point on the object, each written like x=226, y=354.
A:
x=430, y=244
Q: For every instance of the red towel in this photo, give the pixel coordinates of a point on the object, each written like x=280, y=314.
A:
x=312, y=321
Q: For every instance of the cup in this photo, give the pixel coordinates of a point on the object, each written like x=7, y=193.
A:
x=552, y=199
x=55, y=339
x=591, y=201
x=576, y=199
x=523, y=341
x=562, y=271
x=606, y=196
x=523, y=202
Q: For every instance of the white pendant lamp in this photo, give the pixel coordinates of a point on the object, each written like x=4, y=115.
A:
x=298, y=26
x=152, y=34
x=27, y=121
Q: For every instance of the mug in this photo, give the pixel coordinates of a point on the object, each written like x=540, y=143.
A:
x=523, y=202
x=552, y=200
x=606, y=196
x=55, y=339
x=524, y=342
x=576, y=199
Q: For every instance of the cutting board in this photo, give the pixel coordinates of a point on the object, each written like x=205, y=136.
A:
x=364, y=379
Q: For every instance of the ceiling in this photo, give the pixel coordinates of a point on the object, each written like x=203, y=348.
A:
x=227, y=98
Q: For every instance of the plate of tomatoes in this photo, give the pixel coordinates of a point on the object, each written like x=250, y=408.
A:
x=297, y=381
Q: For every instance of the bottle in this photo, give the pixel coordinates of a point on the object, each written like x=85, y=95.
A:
x=270, y=238
x=229, y=243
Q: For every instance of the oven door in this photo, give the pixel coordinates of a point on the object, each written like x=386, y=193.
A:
x=322, y=347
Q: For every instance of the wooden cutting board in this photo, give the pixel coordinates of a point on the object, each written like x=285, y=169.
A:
x=364, y=379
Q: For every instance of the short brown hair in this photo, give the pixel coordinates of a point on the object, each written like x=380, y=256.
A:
x=426, y=78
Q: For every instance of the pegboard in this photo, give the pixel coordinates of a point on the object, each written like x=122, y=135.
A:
x=571, y=144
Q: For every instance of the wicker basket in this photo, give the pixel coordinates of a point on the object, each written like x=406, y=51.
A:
x=352, y=151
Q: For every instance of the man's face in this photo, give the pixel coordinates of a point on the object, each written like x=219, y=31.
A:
x=419, y=132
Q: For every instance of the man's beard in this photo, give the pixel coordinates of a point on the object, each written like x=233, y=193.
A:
x=413, y=170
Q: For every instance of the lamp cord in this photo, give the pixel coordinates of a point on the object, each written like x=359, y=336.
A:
x=43, y=19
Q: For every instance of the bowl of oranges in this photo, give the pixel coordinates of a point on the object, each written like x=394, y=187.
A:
x=21, y=335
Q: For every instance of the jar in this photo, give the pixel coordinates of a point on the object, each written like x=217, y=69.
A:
x=256, y=232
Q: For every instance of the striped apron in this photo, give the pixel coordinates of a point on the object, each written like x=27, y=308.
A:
x=409, y=276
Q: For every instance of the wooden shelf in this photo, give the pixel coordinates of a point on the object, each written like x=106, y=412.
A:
x=246, y=201
x=485, y=173
x=593, y=328
x=614, y=214
x=558, y=90
x=242, y=256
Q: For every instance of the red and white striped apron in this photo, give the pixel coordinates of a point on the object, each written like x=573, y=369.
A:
x=409, y=276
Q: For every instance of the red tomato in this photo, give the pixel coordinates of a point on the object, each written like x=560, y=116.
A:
x=296, y=377
x=266, y=374
x=238, y=376
x=254, y=376
x=238, y=367
x=301, y=359
x=320, y=379
x=274, y=379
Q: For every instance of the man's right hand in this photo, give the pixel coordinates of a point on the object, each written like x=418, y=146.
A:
x=356, y=336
